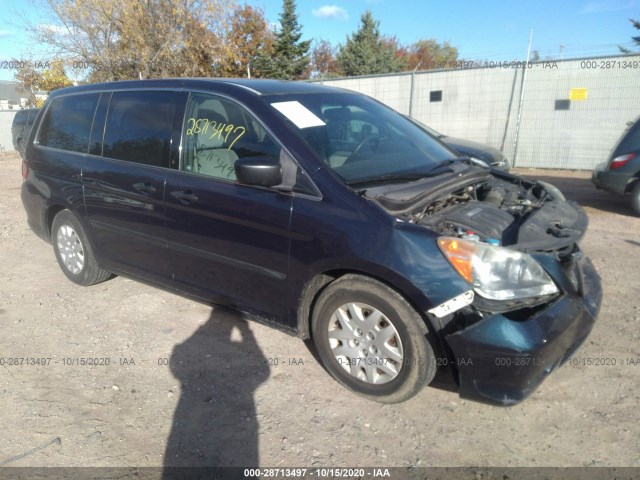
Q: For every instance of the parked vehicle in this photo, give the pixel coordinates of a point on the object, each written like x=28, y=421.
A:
x=324, y=213
x=486, y=154
x=21, y=127
x=621, y=174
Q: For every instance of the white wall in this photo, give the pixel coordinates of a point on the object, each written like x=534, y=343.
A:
x=482, y=104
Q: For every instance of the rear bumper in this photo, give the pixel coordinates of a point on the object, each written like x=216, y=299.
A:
x=502, y=361
x=611, y=181
x=35, y=207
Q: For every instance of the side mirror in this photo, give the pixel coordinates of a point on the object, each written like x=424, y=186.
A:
x=260, y=171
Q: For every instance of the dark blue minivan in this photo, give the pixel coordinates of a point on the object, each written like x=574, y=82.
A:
x=324, y=213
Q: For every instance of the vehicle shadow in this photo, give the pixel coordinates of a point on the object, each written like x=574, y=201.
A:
x=586, y=194
x=219, y=368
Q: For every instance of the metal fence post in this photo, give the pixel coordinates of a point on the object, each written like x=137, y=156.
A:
x=411, y=92
x=524, y=76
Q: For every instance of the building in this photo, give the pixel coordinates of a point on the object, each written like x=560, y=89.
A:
x=10, y=95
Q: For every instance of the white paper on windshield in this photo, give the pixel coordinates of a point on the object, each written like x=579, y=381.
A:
x=300, y=115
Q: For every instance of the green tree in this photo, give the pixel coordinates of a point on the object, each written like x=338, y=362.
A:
x=368, y=52
x=290, y=53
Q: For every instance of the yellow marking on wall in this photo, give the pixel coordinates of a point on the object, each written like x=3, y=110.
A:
x=578, y=94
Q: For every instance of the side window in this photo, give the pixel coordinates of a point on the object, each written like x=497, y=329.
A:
x=217, y=132
x=67, y=122
x=138, y=127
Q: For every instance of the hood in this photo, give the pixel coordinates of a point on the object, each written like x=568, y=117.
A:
x=496, y=206
x=490, y=155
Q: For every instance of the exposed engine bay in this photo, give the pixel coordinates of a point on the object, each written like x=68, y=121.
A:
x=489, y=206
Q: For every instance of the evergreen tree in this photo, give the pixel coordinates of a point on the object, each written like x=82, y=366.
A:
x=635, y=39
x=290, y=53
x=636, y=25
x=368, y=52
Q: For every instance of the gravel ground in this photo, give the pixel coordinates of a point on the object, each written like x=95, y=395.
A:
x=175, y=376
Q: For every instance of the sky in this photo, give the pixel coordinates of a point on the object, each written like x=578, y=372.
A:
x=493, y=30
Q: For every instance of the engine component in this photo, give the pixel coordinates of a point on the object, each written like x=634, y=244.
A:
x=483, y=218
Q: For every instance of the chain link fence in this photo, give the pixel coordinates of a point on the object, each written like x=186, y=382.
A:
x=551, y=114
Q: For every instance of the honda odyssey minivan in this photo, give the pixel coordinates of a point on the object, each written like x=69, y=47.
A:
x=324, y=213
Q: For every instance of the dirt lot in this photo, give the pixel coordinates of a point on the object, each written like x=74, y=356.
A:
x=177, y=377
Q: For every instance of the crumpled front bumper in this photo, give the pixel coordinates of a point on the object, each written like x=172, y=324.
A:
x=502, y=361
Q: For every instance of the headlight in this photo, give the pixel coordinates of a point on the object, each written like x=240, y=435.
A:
x=497, y=273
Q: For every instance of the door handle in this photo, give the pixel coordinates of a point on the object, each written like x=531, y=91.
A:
x=185, y=197
x=145, y=187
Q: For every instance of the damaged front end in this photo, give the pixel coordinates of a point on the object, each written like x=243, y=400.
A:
x=533, y=296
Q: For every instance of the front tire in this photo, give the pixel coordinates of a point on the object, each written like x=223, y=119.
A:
x=371, y=340
x=73, y=251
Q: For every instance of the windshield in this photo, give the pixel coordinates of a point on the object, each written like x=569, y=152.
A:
x=359, y=138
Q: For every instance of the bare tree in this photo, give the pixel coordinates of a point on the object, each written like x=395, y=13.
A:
x=122, y=39
x=323, y=60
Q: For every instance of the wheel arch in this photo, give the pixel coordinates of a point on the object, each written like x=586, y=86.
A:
x=50, y=214
x=633, y=181
x=316, y=285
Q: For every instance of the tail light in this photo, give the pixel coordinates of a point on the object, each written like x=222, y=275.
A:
x=620, y=161
x=25, y=169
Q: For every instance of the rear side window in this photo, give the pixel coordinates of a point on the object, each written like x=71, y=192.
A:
x=67, y=122
x=138, y=127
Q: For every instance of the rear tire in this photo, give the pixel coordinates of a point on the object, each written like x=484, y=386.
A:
x=371, y=340
x=635, y=198
x=73, y=251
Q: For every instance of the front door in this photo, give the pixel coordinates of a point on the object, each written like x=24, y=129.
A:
x=227, y=242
